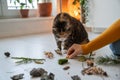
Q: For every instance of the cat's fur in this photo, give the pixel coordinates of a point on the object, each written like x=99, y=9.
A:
x=69, y=28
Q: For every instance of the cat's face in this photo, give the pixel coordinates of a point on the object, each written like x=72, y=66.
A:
x=62, y=29
x=61, y=26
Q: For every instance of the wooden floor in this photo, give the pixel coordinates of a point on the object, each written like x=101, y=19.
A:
x=34, y=46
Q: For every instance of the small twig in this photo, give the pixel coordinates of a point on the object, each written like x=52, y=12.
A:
x=26, y=60
x=83, y=65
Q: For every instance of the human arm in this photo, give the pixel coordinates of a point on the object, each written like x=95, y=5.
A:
x=108, y=36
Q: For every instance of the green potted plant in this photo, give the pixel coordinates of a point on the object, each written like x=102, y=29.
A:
x=44, y=8
x=24, y=11
x=83, y=9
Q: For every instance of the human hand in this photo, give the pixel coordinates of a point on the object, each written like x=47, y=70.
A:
x=74, y=50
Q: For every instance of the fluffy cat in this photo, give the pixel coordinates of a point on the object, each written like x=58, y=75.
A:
x=69, y=30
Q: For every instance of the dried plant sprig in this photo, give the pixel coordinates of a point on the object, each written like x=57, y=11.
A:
x=107, y=60
x=24, y=60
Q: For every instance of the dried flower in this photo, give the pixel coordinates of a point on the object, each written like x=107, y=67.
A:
x=49, y=54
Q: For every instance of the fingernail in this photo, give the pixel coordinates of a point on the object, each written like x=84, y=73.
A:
x=67, y=56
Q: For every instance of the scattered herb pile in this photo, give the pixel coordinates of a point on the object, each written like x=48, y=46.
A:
x=93, y=70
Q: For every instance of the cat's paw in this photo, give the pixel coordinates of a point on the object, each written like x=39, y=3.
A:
x=64, y=51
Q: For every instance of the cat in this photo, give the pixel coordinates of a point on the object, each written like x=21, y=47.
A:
x=69, y=30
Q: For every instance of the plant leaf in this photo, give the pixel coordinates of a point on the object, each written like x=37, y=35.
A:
x=18, y=1
x=30, y=1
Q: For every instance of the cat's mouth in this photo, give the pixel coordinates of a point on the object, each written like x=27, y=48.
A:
x=65, y=35
x=62, y=39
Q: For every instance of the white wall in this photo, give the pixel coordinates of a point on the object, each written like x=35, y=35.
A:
x=0, y=9
x=103, y=12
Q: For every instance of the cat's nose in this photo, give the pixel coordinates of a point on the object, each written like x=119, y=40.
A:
x=62, y=33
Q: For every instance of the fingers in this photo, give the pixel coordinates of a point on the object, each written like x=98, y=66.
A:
x=70, y=50
x=72, y=55
x=74, y=50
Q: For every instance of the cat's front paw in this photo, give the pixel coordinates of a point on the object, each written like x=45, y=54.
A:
x=64, y=51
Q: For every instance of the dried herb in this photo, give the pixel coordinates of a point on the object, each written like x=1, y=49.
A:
x=24, y=60
x=107, y=60
x=62, y=61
